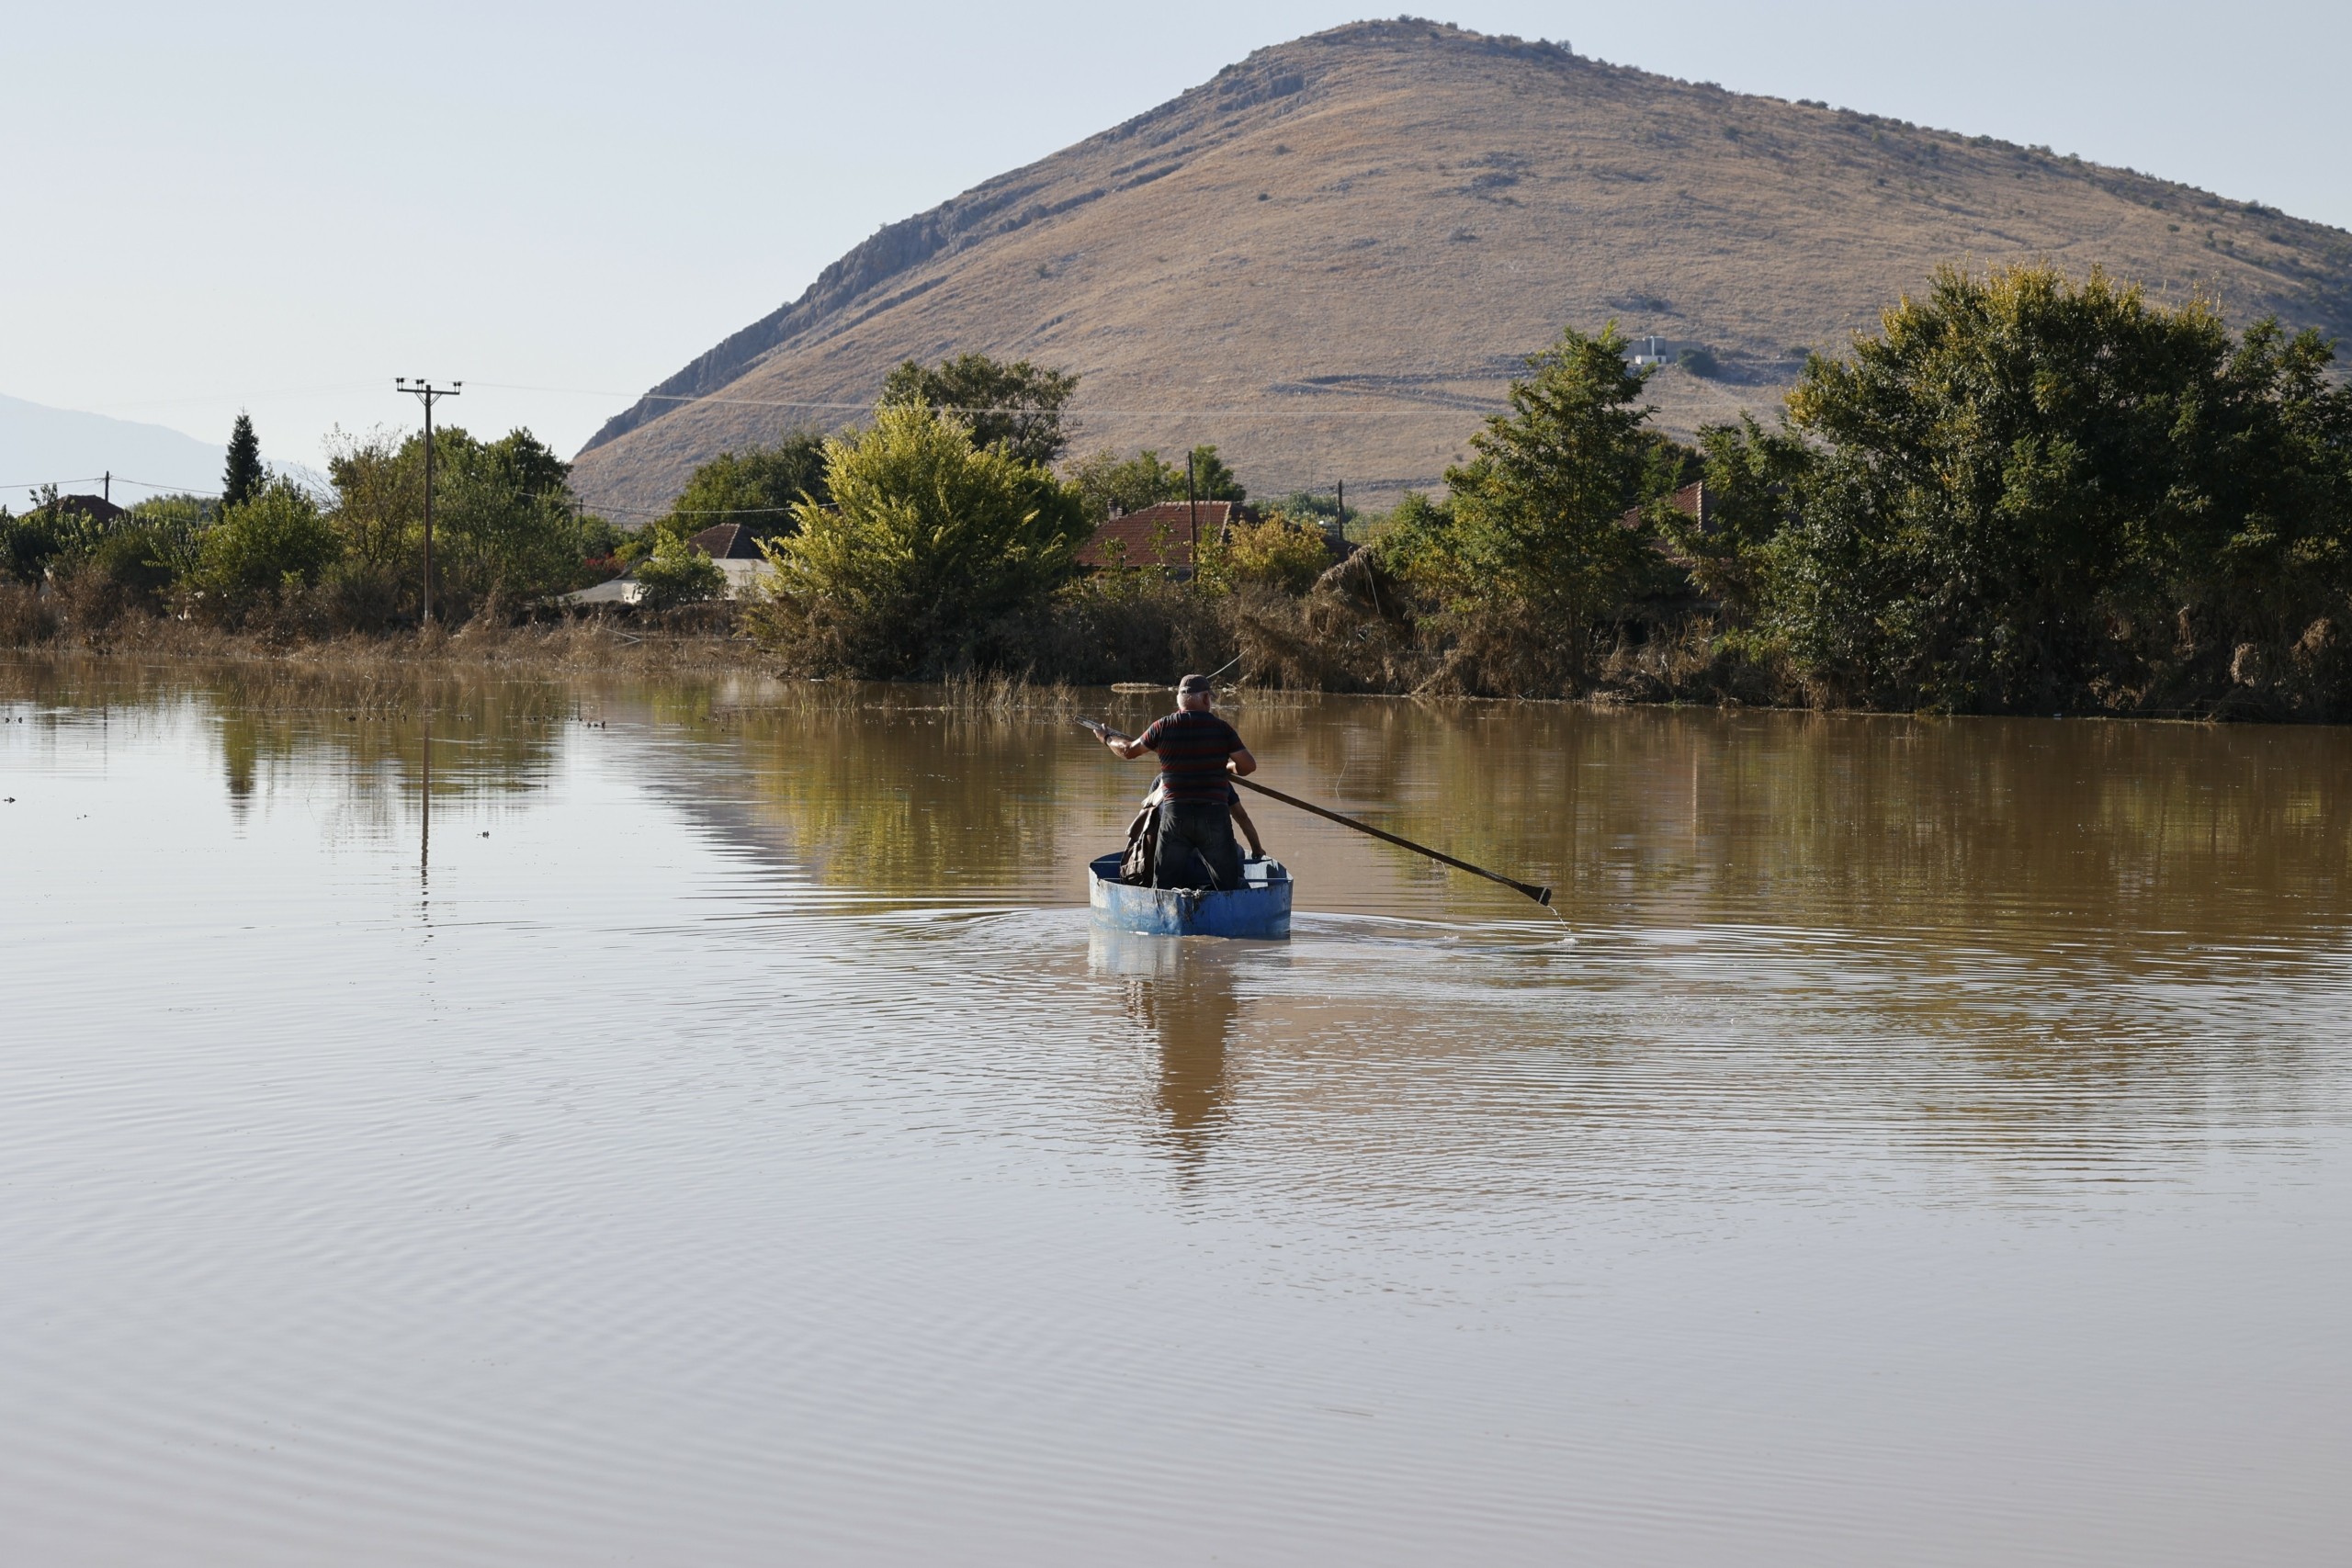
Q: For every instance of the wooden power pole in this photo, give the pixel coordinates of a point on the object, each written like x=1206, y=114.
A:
x=1192, y=503
x=428, y=394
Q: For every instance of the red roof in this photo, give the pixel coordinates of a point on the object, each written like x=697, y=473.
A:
x=1156, y=530
x=728, y=541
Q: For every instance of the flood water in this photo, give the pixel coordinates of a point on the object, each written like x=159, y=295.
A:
x=520, y=1121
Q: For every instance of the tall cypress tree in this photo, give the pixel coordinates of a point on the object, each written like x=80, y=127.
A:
x=244, y=478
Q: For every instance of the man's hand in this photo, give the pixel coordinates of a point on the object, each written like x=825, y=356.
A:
x=1122, y=745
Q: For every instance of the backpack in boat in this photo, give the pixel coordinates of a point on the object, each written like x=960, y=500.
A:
x=1143, y=847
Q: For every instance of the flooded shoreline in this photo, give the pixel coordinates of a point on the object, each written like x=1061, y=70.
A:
x=624, y=1116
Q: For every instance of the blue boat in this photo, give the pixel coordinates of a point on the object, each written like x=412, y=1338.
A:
x=1260, y=909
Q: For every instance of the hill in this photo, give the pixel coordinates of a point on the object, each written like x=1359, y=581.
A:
x=1330, y=258
x=62, y=447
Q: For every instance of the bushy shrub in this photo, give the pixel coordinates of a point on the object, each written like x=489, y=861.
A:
x=928, y=545
x=128, y=570
x=24, y=618
x=276, y=544
x=1280, y=553
x=677, y=573
x=138, y=562
x=29, y=544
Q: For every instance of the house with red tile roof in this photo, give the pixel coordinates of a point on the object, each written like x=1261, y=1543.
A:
x=1160, y=535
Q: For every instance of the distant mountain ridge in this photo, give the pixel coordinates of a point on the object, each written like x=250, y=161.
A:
x=1329, y=258
x=40, y=445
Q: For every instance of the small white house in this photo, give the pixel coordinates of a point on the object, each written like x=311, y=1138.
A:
x=730, y=545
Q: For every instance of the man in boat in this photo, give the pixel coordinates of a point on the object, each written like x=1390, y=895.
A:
x=1199, y=756
x=1149, y=817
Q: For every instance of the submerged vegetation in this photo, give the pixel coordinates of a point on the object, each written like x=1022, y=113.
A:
x=2026, y=493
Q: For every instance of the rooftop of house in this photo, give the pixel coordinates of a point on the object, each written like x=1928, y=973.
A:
x=727, y=541
x=96, y=508
x=1156, y=536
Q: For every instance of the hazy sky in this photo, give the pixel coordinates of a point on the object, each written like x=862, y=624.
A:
x=280, y=207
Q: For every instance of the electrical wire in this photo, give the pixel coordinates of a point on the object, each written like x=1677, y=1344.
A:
x=1076, y=412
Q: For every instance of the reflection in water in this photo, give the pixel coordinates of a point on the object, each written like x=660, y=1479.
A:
x=1182, y=991
x=1942, y=1133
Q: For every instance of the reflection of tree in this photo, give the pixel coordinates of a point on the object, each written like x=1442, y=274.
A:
x=905, y=800
x=489, y=736
x=365, y=729
x=1995, y=828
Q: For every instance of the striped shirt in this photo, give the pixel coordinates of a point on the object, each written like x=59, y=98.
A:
x=1193, y=748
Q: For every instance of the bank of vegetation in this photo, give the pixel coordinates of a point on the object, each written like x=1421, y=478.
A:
x=2026, y=493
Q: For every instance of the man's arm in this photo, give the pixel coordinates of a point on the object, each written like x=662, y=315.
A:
x=1249, y=830
x=1125, y=746
x=1241, y=764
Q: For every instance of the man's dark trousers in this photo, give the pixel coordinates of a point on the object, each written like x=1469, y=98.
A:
x=1196, y=847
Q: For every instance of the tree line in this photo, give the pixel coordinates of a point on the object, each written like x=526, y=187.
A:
x=2024, y=492
x=268, y=552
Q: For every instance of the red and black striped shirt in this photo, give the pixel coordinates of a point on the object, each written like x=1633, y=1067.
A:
x=1193, y=748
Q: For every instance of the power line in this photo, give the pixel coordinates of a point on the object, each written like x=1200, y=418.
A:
x=119, y=479
x=1075, y=412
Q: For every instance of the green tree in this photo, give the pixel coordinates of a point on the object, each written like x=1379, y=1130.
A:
x=1415, y=540
x=1751, y=475
x=2028, y=491
x=276, y=542
x=505, y=525
x=758, y=486
x=380, y=500
x=1017, y=407
x=1211, y=480
x=243, y=477
x=29, y=542
x=505, y=521
x=1531, y=534
x=929, y=543
x=1108, y=485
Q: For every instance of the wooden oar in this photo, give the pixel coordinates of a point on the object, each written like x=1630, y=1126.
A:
x=1540, y=894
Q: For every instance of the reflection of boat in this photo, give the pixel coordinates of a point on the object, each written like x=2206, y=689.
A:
x=1259, y=909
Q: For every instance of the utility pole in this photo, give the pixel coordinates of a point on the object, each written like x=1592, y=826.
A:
x=1192, y=503
x=106, y=491
x=428, y=394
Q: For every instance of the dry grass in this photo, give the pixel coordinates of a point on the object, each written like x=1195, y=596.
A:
x=645, y=645
x=1435, y=205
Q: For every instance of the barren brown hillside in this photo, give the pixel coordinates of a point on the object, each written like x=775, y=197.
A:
x=1329, y=259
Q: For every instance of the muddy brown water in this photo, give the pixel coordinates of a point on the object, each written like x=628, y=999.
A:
x=519, y=1121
